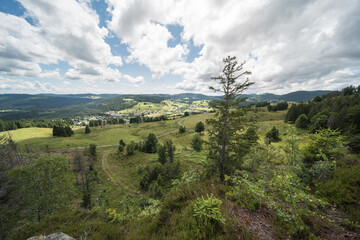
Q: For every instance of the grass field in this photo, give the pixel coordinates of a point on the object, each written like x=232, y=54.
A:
x=41, y=138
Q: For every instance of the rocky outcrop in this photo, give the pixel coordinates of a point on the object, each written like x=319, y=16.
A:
x=54, y=236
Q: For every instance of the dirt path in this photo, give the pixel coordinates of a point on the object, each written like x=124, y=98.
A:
x=107, y=169
x=180, y=123
x=104, y=162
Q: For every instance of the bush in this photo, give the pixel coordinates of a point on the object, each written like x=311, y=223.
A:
x=277, y=107
x=301, y=121
x=182, y=129
x=343, y=190
x=325, y=145
x=121, y=148
x=251, y=135
x=354, y=144
x=130, y=148
x=273, y=135
x=199, y=127
x=319, y=121
x=208, y=210
x=196, y=143
x=122, y=143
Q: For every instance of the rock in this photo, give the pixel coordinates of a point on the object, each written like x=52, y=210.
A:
x=54, y=236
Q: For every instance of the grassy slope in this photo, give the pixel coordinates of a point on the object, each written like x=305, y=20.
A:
x=38, y=138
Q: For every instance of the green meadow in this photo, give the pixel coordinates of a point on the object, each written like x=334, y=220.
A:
x=41, y=138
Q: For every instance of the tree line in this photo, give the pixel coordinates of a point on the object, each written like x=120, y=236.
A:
x=109, y=121
x=336, y=110
x=28, y=123
x=278, y=107
x=139, y=119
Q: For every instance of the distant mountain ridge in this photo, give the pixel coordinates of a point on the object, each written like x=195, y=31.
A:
x=9, y=101
x=17, y=106
x=298, y=96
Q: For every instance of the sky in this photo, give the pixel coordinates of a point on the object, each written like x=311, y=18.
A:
x=176, y=46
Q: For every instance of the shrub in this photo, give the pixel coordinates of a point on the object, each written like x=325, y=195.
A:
x=208, y=210
x=199, y=127
x=121, y=148
x=196, y=143
x=121, y=142
x=182, y=129
x=354, y=144
x=301, y=121
x=130, y=148
x=273, y=135
x=319, y=121
x=277, y=107
x=325, y=145
x=343, y=190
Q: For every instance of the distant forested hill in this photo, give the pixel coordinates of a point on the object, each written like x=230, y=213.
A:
x=298, y=96
x=23, y=106
x=24, y=101
x=49, y=106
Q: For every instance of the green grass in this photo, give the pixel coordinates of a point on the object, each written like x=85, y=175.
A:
x=40, y=138
x=43, y=137
x=143, y=106
x=125, y=181
x=29, y=133
x=263, y=114
x=190, y=122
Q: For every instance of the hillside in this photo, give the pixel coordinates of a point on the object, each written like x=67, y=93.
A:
x=134, y=196
x=298, y=96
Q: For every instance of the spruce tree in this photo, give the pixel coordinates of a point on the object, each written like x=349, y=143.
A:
x=170, y=150
x=151, y=143
x=161, y=154
x=230, y=116
x=87, y=129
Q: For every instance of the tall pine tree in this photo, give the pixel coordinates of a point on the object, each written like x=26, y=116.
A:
x=230, y=116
